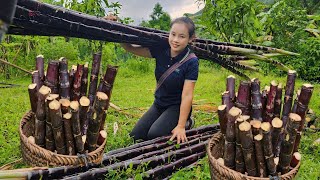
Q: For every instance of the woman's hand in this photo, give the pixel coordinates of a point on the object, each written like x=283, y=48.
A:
x=179, y=133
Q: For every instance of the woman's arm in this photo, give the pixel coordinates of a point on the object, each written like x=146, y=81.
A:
x=179, y=131
x=137, y=50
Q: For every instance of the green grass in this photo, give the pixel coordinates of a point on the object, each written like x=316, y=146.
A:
x=133, y=92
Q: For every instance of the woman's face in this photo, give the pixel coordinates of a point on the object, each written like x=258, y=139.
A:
x=178, y=38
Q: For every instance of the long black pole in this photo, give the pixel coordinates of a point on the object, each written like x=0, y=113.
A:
x=7, y=9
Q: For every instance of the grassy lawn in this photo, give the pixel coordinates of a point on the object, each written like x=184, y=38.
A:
x=133, y=92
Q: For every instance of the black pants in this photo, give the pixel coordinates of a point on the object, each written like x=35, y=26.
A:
x=156, y=122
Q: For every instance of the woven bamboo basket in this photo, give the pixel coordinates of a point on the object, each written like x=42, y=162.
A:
x=35, y=155
x=220, y=172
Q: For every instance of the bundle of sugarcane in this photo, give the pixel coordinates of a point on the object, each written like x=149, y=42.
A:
x=66, y=120
x=257, y=141
x=37, y=18
x=159, y=157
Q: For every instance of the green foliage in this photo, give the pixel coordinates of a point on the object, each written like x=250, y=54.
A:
x=232, y=20
x=159, y=19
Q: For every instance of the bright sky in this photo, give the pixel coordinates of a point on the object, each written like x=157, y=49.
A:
x=140, y=10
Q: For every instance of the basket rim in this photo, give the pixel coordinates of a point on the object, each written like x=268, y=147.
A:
x=25, y=139
x=215, y=139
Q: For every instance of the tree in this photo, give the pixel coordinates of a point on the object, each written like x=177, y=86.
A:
x=159, y=19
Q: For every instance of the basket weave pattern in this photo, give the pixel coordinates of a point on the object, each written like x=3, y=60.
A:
x=35, y=155
x=220, y=172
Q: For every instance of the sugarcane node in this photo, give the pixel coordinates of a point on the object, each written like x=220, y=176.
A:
x=277, y=123
x=74, y=105
x=84, y=101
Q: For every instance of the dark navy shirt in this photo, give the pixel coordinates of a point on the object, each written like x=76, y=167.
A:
x=170, y=91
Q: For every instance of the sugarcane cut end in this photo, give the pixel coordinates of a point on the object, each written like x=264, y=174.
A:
x=265, y=126
x=67, y=116
x=102, y=96
x=258, y=137
x=274, y=83
x=53, y=96
x=294, y=117
x=65, y=102
x=74, y=105
x=308, y=85
x=234, y=111
x=255, y=123
x=245, y=126
x=55, y=105
x=292, y=71
x=34, y=72
x=44, y=90
x=277, y=123
x=84, y=101
x=62, y=59
x=222, y=107
x=32, y=86
x=40, y=56
x=245, y=117
x=231, y=76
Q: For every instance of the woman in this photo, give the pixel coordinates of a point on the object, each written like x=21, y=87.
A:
x=173, y=98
